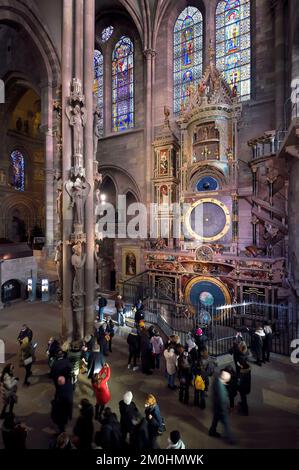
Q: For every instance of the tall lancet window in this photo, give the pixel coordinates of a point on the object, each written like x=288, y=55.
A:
x=187, y=55
x=233, y=45
x=123, y=85
x=98, y=87
x=17, y=168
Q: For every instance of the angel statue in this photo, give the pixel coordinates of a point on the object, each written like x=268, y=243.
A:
x=77, y=118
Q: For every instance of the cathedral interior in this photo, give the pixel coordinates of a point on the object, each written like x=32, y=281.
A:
x=151, y=149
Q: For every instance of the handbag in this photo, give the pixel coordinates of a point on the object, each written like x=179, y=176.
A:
x=28, y=361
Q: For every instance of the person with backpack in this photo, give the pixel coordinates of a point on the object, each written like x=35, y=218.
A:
x=155, y=422
x=102, y=304
x=157, y=349
x=199, y=377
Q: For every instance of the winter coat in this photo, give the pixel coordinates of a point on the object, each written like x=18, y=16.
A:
x=102, y=302
x=145, y=345
x=184, y=368
x=201, y=342
x=245, y=381
x=61, y=367
x=127, y=413
x=268, y=339
x=25, y=334
x=75, y=358
x=139, y=438
x=109, y=438
x=9, y=388
x=257, y=343
x=62, y=405
x=53, y=349
x=101, y=389
x=134, y=343
x=26, y=351
x=156, y=422
x=157, y=345
x=84, y=430
x=220, y=397
x=171, y=360
x=178, y=445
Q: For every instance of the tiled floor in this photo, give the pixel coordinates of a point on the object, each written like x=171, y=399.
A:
x=274, y=404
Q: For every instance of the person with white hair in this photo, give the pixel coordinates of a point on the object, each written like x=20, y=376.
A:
x=128, y=410
x=220, y=406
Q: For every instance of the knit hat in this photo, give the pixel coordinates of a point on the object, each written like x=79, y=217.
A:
x=199, y=332
x=128, y=397
x=175, y=437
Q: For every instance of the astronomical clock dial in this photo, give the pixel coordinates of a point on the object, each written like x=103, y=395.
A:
x=204, y=253
x=207, y=220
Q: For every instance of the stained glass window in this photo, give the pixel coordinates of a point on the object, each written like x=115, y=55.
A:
x=98, y=87
x=18, y=172
x=233, y=44
x=123, y=85
x=187, y=55
x=107, y=33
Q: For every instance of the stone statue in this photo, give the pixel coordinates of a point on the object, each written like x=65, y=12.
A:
x=77, y=118
x=58, y=181
x=78, y=261
x=96, y=131
x=78, y=191
x=58, y=261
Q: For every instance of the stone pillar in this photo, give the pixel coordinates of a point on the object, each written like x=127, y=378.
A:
x=279, y=45
x=89, y=35
x=47, y=129
x=67, y=62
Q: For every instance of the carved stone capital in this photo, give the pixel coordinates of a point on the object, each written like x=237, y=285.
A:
x=148, y=53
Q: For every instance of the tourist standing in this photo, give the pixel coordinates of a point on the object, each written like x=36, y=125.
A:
x=267, y=345
x=127, y=410
x=184, y=374
x=109, y=330
x=175, y=441
x=26, y=357
x=101, y=390
x=220, y=406
x=25, y=332
x=9, y=388
x=83, y=430
x=244, y=386
x=120, y=306
x=133, y=341
x=257, y=345
x=62, y=405
x=145, y=352
x=102, y=305
x=75, y=357
x=157, y=349
x=154, y=420
x=171, y=361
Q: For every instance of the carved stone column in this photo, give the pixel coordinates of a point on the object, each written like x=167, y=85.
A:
x=279, y=45
x=89, y=144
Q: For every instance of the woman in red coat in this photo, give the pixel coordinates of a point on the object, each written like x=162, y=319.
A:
x=101, y=390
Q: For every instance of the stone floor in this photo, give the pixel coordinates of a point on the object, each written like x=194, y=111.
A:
x=274, y=404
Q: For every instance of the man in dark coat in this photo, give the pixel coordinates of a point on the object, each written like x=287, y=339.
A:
x=102, y=305
x=83, y=430
x=244, y=386
x=133, y=341
x=257, y=345
x=267, y=345
x=128, y=410
x=61, y=367
x=220, y=406
x=184, y=374
x=62, y=405
x=139, y=437
x=109, y=438
x=145, y=352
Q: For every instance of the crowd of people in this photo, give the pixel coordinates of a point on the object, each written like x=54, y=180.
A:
x=189, y=370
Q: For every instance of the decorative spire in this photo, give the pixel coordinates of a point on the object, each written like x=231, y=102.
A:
x=211, y=52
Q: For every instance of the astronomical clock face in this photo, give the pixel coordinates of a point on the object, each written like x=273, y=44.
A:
x=207, y=220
